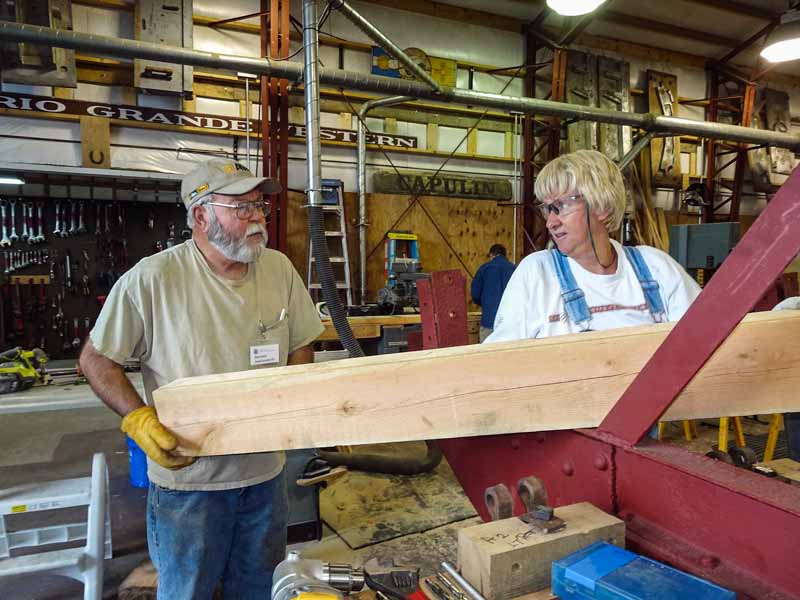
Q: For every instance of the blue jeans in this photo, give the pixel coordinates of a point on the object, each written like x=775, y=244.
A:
x=199, y=539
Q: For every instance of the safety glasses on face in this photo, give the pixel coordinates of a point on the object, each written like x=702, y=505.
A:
x=245, y=210
x=561, y=206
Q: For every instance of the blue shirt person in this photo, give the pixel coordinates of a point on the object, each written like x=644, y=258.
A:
x=488, y=285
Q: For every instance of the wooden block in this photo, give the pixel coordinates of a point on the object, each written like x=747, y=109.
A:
x=508, y=146
x=297, y=115
x=64, y=93
x=432, y=137
x=345, y=120
x=504, y=559
x=390, y=125
x=472, y=142
x=96, y=142
x=785, y=467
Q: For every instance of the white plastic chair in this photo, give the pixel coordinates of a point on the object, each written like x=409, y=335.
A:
x=83, y=563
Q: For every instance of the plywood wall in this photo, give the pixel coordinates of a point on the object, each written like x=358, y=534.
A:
x=454, y=233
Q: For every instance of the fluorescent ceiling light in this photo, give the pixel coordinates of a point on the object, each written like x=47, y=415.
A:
x=573, y=8
x=11, y=180
x=784, y=43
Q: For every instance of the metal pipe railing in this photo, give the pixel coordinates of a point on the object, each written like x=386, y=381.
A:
x=361, y=159
x=389, y=86
x=384, y=42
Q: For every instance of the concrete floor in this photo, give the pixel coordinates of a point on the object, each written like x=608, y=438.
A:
x=59, y=444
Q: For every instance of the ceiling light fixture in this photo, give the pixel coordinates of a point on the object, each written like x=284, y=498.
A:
x=11, y=180
x=573, y=8
x=783, y=44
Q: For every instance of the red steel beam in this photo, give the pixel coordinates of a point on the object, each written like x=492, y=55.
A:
x=755, y=263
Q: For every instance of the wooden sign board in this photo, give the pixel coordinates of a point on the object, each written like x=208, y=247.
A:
x=440, y=184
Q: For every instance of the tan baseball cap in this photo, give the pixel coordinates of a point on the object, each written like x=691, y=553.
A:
x=222, y=176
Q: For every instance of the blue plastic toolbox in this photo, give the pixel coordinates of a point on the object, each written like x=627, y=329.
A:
x=603, y=571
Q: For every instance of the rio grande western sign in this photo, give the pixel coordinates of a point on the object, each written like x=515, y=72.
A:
x=456, y=186
x=139, y=114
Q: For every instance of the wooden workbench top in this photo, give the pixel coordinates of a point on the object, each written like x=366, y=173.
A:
x=370, y=327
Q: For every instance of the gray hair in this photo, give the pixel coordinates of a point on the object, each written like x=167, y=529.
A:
x=209, y=210
x=592, y=175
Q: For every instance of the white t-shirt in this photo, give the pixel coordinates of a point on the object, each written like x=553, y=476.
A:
x=532, y=307
x=181, y=320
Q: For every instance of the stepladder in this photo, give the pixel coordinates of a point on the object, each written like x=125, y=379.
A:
x=336, y=238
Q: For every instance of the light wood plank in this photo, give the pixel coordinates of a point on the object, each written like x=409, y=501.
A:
x=532, y=385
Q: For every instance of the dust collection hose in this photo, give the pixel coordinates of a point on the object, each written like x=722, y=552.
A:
x=322, y=262
x=391, y=465
x=319, y=247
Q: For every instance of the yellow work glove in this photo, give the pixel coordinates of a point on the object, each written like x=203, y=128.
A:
x=142, y=425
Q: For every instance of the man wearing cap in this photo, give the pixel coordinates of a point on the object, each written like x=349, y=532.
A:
x=217, y=303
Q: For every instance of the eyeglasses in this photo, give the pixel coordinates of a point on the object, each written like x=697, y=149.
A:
x=561, y=206
x=245, y=210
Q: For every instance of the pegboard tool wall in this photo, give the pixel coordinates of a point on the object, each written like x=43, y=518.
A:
x=30, y=309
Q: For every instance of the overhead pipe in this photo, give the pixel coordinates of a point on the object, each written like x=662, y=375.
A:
x=341, y=78
x=316, y=214
x=361, y=159
x=384, y=42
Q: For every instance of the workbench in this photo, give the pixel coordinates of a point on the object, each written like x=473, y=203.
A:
x=57, y=397
x=371, y=327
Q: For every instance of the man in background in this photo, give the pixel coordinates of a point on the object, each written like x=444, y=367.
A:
x=488, y=286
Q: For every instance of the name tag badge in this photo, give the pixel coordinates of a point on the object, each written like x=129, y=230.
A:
x=267, y=354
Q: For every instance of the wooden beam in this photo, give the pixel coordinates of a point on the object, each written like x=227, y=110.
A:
x=475, y=390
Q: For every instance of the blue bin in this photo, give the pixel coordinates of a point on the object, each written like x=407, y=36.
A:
x=137, y=462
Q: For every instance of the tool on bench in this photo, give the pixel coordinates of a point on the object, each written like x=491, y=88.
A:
x=20, y=369
x=307, y=579
x=398, y=582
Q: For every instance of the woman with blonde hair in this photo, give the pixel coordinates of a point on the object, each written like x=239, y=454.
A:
x=588, y=281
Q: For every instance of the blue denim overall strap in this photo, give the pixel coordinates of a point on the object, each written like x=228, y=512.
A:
x=575, y=303
x=652, y=295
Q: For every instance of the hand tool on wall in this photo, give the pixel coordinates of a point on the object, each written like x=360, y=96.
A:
x=97, y=214
x=76, y=339
x=66, y=345
x=52, y=258
x=33, y=237
x=25, y=223
x=5, y=242
x=151, y=220
x=81, y=225
x=13, y=209
x=107, y=222
x=171, y=235
x=57, y=230
x=66, y=209
x=68, y=272
x=16, y=310
x=42, y=335
x=42, y=301
x=87, y=327
x=40, y=210
x=73, y=219
x=59, y=318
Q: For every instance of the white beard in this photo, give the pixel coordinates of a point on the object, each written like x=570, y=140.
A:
x=236, y=249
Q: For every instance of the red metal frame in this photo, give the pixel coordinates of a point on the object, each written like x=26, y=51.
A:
x=743, y=104
x=275, y=41
x=732, y=526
